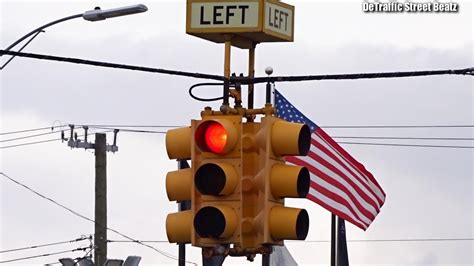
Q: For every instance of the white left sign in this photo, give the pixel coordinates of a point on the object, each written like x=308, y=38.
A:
x=224, y=15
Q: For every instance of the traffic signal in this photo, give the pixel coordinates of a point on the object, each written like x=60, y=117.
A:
x=238, y=181
x=217, y=170
x=178, y=185
x=276, y=180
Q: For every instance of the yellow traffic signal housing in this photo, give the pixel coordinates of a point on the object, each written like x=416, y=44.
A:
x=217, y=171
x=178, y=143
x=237, y=182
x=179, y=185
x=276, y=180
x=178, y=227
x=250, y=191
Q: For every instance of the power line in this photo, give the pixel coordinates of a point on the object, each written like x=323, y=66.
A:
x=28, y=130
x=132, y=126
x=465, y=71
x=45, y=255
x=120, y=127
x=130, y=130
x=175, y=126
x=247, y=80
x=29, y=143
x=46, y=245
x=31, y=136
x=357, y=143
x=41, y=141
x=340, y=142
x=113, y=65
x=401, y=126
x=391, y=240
x=327, y=241
x=328, y=126
x=89, y=219
x=335, y=137
x=143, y=241
x=406, y=145
x=143, y=131
x=415, y=240
x=404, y=138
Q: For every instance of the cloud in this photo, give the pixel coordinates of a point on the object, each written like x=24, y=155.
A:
x=429, y=191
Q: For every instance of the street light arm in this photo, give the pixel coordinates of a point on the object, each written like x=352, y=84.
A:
x=92, y=15
x=21, y=49
x=41, y=28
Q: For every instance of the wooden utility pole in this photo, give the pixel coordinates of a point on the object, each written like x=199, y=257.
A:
x=100, y=235
x=100, y=150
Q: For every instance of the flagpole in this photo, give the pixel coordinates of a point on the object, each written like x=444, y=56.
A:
x=338, y=242
x=333, y=240
x=342, y=257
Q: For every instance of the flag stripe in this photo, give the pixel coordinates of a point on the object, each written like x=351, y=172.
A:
x=334, y=207
x=339, y=183
x=338, y=196
x=330, y=185
x=320, y=173
x=358, y=166
x=338, y=162
x=334, y=173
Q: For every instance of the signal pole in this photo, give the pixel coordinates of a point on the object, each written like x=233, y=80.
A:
x=183, y=206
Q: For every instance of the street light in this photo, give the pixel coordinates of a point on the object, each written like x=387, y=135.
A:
x=98, y=14
x=91, y=15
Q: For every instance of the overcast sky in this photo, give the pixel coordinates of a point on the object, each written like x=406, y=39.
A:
x=429, y=190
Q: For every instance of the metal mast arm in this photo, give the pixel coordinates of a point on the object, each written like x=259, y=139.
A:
x=41, y=28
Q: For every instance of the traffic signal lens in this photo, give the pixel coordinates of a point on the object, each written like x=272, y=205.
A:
x=304, y=140
x=302, y=225
x=215, y=137
x=209, y=222
x=210, y=179
x=215, y=222
x=215, y=179
x=303, y=182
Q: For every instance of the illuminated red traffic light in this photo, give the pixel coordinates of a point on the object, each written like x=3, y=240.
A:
x=216, y=136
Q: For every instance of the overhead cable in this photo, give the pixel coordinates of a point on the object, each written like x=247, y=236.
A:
x=328, y=126
x=46, y=245
x=402, y=138
x=89, y=219
x=44, y=255
x=327, y=241
x=32, y=136
x=247, y=80
x=407, y=145
x=28, y=130
x=41, y=141
x=113, y=65
x=402, y=74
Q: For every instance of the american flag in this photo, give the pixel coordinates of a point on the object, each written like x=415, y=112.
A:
x=339, y=183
